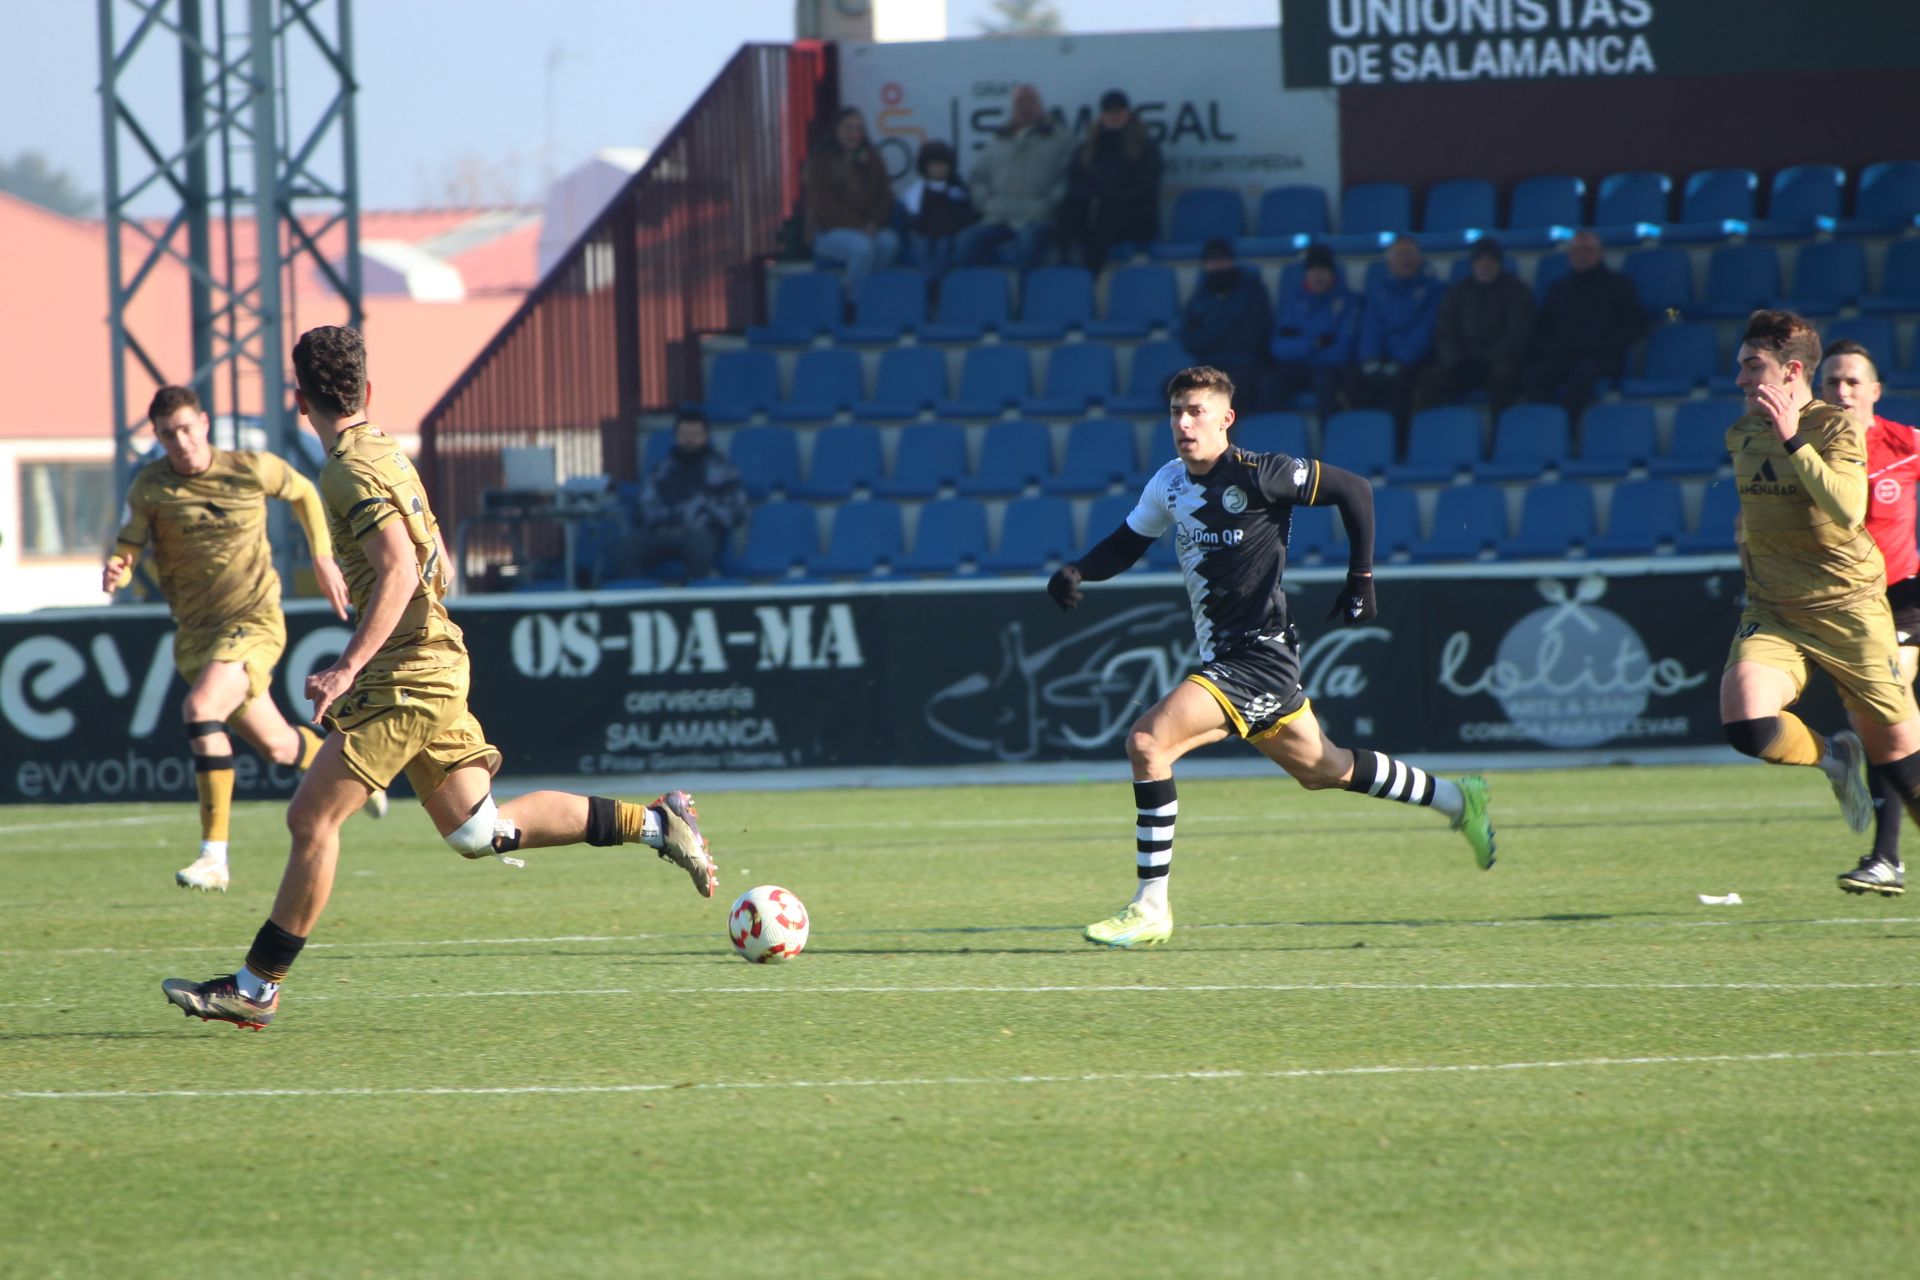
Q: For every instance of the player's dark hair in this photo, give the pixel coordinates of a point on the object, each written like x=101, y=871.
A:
x=1200, y=377
x=1785, y=333
x=1848, y=347
x=330, y=364
x=168, y=401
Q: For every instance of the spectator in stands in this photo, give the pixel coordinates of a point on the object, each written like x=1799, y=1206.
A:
x=1227, y=320
x=1480, y=335
x=1396, y=333
x=849, y=200
x=1113, y=185
x=1587, y=321
x=938, y=207
x=1315, y=334
x=689, y=505
x=1018, y=184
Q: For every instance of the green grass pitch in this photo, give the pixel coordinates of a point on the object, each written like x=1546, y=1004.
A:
x=1358, y=1056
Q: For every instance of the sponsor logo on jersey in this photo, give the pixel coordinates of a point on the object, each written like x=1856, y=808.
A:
x=1886, y=489
x=1234, y=499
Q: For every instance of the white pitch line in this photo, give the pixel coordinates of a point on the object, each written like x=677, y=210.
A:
x=936, y=1082
x=76, y=822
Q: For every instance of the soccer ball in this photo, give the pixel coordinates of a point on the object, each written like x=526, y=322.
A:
x=767, y=925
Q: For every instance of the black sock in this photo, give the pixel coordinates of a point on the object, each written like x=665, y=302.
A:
x=1887, y=811
x=273, y=952
x=1382, y=776
x=1155, y=808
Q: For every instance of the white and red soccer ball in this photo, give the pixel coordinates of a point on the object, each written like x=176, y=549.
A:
x=768, y=925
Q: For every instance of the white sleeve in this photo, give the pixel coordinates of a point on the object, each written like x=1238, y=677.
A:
x=1151, y=515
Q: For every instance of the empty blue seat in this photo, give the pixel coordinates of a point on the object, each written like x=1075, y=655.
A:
x=1441, y=443
x=1715, y=204
x=1053, y=300
x=1899, y=280
x=1888, y=199
x=1099, y=455
x=930, y=455
x=909, y=380
x=1614, y=438
x=768, y=459
x=1158, y=453
x=1288, y=218
x=1360, y=441
x=887, y=305
x=1901, y=409
x=1551, y=267
x=1679, y=358
x=654, y=452
x=1139, y=299
x=826, y=381
x=864, y=536
x=1827, y=276
x=1641, y=515
x=1554, y=518
x=1527, y=441
x=781, y=536
x=992, y=378
x=1396, y=522
x=1311, y=537
x=1875, y=333
x=1458, y=212
x=1719, y=507
x=1079, y=376
x=1033, y=531
x=972, y=301
x=1741, y=278
x=1468, y=520
x=1698, y=444
x=741, y=384
x=1371, y=214
x=1545, y=211
x=1663, y=277
x=1108, y=512
x=1803, y=200
x=1153, y=367
x=805, y=306
x=1631, y=207
x=1272, y=433
x=951, y=533
x=1200, y=214
x=1013, y=455
x=845, y=458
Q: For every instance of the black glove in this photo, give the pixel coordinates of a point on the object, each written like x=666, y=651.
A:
x=1355, y=602
x=1064, y=586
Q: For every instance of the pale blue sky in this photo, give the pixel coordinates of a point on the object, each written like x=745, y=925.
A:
x=454, y=92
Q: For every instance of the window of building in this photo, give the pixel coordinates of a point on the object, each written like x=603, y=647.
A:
x=66, y=508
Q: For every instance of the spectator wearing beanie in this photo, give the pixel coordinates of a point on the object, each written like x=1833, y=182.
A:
x=1113, y=184
x=1315, y=332
x=1227, y=321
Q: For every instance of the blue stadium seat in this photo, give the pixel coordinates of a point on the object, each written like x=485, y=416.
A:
x=1458, y=212
x=1614, y=438
x=992, y=378
x=1053, y=300
x=887, y=306
x=1551, y=267
x=1641, y=515
x=1527, y=441
x=1272, y=433
x=1289, y=217
x=1903, y=409
x=1741, y=278
x=1396, y=522
x=826, y=381
x=972, y=301
x=1079, y=376
x=1139, y=299
x=1013, y=455
x=845, y=458
x=1698, y=445
x=741, y=384
x=1545, y=211
x=1108, y=512
x=1371, y=214
x=951, y=533
x=1441, y=444
x=1099, y=455
x=1199, y=214
x=1468, y=521
x=1664, y=278
x=781, y=536
x=805, y=306
x=1716, y=203
x=1679, y=357
x=864, y=536
x=1359, y=440
x=1154, y=364
x=1554, y=518
x=1311, y=536
x=768, y=459
x=1888, y=200
x=1827, y=276
x=1899, y=281
x=1803, y=200
x=658, y=445
x=1719, y=506
x=1033, y=531
x=1158, y=453
x=909, y=380
x=1631, y=207
x=930, y=455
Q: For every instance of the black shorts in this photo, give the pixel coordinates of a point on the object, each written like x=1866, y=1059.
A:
x=1904, y=597
x=1257, y=684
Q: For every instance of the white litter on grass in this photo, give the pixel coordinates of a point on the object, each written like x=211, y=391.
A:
x=1720, y=900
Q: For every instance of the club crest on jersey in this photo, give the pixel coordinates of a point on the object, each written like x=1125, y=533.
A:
x=1234, y=499
x=1886, y=489
x=1300, y=473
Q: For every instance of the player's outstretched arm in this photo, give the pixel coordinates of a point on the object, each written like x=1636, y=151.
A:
x=1353, y=496
x=1112, y=555
x=299, y=493
x=127, y=545
x=396, y=576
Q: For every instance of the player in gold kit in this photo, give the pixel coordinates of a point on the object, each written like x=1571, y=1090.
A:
x=204, y=510
x=397, y=701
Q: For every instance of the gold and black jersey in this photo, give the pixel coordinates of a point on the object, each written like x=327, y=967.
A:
x=209, y=534
x=1803, y=511
x=366, y=485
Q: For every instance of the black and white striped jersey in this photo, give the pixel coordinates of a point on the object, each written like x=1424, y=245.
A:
x=1230, y=529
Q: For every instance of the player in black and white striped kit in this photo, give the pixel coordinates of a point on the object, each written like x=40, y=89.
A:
x=1229, y=512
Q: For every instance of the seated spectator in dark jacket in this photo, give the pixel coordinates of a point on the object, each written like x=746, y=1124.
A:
x=1227, y=320
x=1113, y=184
x=688, y=507
x=1480, y=335
x=938, y=207
x=850, y=200
x=1396, y=332
x=1587, y=321
x=1315, y=334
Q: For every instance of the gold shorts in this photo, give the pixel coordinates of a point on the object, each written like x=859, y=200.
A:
x=256, y=641
x=411, y=718
x=1856, y=647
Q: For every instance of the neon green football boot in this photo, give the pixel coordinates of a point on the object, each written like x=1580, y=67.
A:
x=1473, y=822
x=1138, y=925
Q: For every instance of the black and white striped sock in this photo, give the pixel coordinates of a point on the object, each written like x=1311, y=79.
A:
x=1382, y=776
x=1156, y=808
